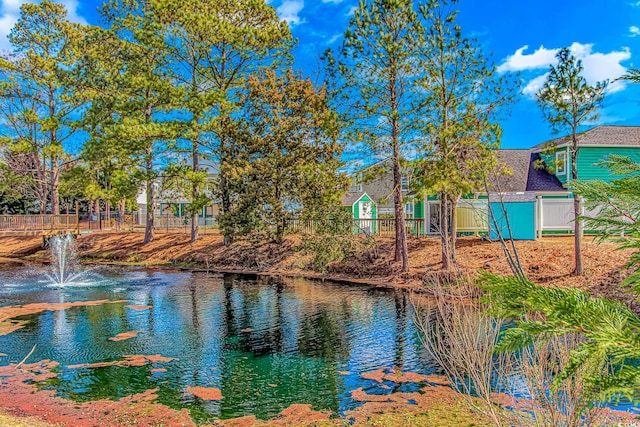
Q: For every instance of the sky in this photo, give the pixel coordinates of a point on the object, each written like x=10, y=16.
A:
x=519, y=36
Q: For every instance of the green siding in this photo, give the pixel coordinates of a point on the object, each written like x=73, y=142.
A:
x=418, y=209
x=521, y=218
x=589, y=156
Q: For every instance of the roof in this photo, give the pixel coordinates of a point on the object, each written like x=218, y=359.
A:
x=351, y=198
x=540, y=179
x=517, y=162
x=601, y=136
x=524, y=175
x=526, y=196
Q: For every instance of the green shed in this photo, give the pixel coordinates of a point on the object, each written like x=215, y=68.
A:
x=512, y=216
x=363, y=210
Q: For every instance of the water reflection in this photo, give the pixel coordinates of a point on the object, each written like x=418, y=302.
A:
x=266, y=343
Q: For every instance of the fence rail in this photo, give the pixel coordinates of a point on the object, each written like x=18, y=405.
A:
x=38, y=222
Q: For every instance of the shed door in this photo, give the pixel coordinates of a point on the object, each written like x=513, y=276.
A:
x=365, y=211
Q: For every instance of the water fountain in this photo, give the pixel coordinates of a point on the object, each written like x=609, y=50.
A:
x=64, y=267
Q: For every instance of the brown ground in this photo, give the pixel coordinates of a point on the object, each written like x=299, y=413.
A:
x=547, y=261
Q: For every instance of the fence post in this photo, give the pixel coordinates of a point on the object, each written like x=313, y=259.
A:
x=77, y=218
x=539, y=222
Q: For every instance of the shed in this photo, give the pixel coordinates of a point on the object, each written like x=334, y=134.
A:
x=512, y=216
x=363, y=210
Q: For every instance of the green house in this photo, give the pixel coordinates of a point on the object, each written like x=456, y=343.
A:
x=363, y=210
x=594, y=146
x=533, y=198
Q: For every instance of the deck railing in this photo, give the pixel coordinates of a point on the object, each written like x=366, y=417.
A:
x=35, y=223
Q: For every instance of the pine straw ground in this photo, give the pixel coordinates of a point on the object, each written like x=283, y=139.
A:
x=548, y=261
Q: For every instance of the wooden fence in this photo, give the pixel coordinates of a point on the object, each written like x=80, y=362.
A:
x=39, y=223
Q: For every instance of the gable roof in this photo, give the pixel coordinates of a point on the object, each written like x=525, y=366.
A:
x=524, y=176
x=351, y=198
x=517, y=161
x=601, y=136
x=540, y=179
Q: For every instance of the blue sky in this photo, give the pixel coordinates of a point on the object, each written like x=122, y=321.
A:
x=519, y=35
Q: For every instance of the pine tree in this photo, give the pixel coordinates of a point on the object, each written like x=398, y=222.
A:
x=214, y=47
x=36, y=89
x=137, y=92
x=379, y=69
x=463, y=95
x=568, y=102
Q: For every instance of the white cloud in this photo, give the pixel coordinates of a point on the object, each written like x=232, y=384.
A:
x=10, y=12
x=541, y=58
x=289, y=11
x=634, y=31
x=534, y=85
x=598, y=66
x=333, y=39
x=332, y=1
x=352, y=10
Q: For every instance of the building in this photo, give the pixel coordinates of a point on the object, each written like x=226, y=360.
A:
x=532, y=199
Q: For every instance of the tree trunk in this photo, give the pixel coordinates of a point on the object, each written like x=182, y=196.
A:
x=453, y=234
x=122, y=208
x=402, y=252
x=55, y=185
x=225, y=191
x=444, y=231
x=148, y=229
x=576, y=209
x=194, y=196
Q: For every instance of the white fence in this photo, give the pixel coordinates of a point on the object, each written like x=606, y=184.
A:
x=555, y=214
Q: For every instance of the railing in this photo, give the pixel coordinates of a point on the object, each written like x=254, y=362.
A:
x=26, y=223
x=171, y=224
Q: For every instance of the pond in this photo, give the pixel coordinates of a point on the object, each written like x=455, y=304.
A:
x=266, y=343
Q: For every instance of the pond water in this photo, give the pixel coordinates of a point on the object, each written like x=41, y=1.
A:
x=265, y=343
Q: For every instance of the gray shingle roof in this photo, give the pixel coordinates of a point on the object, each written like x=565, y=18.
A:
x=351, y=198
x=605, y=136
x=517, y=163
x=523, y=175
x=539, y=179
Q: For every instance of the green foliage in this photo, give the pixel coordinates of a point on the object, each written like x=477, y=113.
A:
x=327, y=248
x=611, y=332
x=287, y=156
x=566, y=99
x=617, y=204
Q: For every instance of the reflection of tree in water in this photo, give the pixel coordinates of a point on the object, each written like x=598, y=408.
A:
x=302, y=333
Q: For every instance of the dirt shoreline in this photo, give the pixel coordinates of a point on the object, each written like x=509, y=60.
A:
x=548, y=261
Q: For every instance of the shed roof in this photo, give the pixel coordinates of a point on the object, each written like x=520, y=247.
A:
x=601, y=136
x=351, y=198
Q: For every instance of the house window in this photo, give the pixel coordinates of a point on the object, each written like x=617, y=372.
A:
x=356, y=185
x=409, y=210
x=561, y=163
x=405, y=184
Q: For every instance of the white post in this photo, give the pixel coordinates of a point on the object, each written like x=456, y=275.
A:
x=540, y=222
